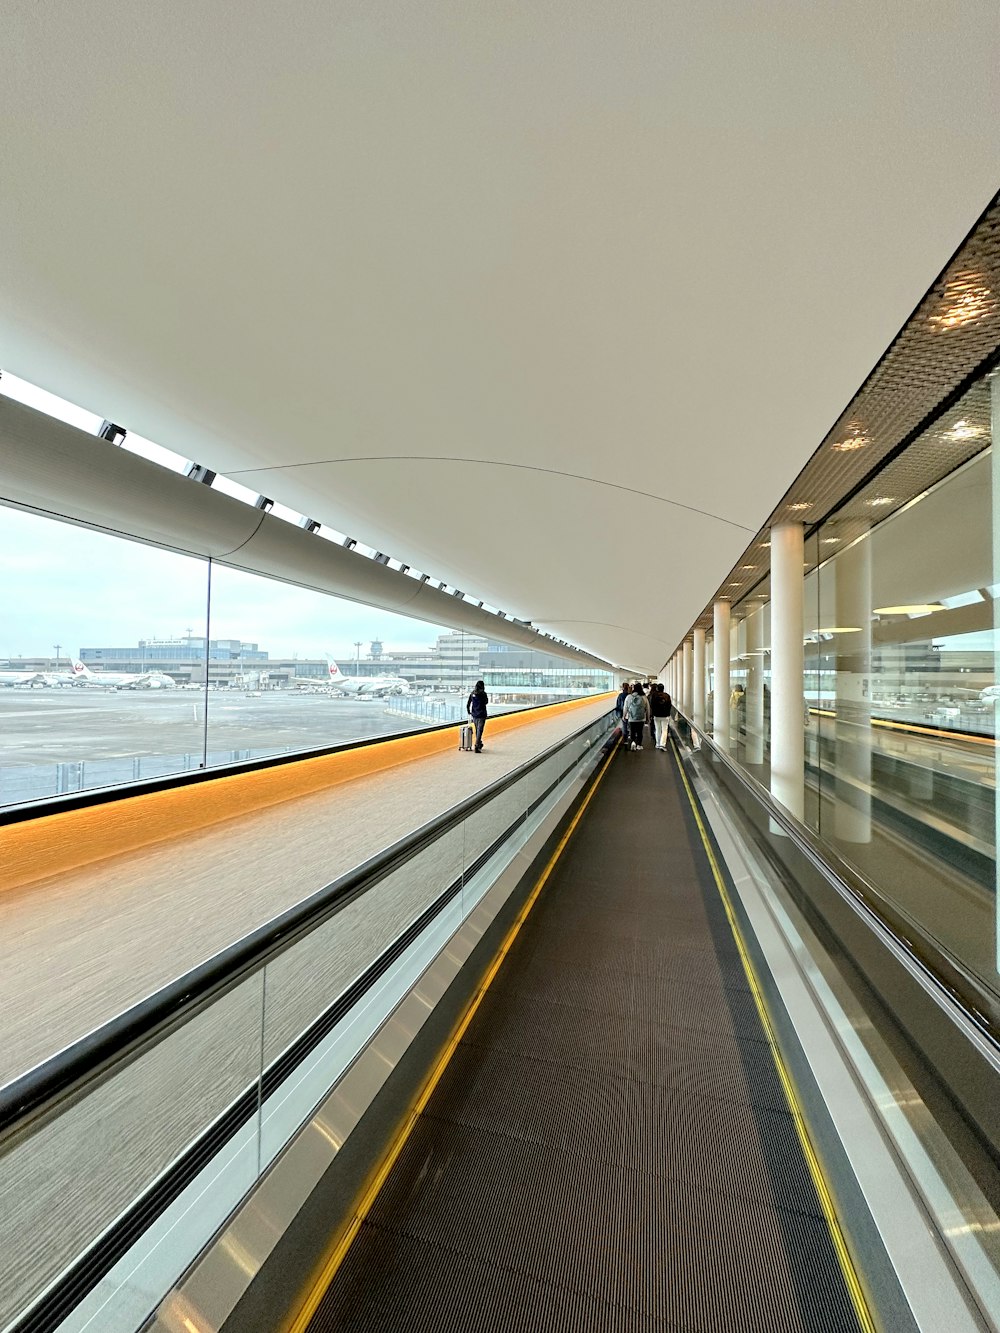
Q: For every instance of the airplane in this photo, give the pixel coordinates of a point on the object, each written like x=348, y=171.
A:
x=49, y=678
x=122, y=680
x=18, y=677
x=373, y=686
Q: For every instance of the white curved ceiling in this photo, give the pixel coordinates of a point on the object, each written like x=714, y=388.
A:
x=550, y=300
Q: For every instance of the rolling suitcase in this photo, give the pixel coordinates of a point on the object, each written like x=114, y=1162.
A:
x=465, y=736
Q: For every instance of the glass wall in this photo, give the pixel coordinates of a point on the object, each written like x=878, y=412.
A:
x=121, y=662
x=900, y=690
x=75, y=713
x=905, y=766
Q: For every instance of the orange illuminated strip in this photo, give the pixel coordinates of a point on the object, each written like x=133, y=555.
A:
x=915, y=729
x=53, y=844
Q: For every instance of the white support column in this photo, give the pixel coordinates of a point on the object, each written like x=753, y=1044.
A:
x=698, y=693
x=687, y=679
x=754, y=702
x=852, y=571
x=787, y=665
x=720, y=683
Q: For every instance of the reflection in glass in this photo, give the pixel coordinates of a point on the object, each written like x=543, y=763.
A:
x=899, y=684
x=755, y=716
x=909, y=669
x=851, y=571
x=815, y=633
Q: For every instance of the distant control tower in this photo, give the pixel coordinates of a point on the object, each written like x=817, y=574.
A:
x=376, y=651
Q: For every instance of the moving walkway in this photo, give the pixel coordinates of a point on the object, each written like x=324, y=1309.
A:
x=526, y=1068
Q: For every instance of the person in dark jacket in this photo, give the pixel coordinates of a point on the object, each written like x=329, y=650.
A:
x=475, y=706
x=659, y=707
x=620, y=711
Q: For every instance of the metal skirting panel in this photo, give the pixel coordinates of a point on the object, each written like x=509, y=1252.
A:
x=610, y=1146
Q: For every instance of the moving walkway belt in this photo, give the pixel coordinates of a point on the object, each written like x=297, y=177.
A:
x=610, y=1146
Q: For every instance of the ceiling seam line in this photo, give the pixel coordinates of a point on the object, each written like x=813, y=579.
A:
x=489, y=462
x=222, y=555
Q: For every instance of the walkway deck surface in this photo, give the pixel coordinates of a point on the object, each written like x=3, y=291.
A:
x=610, y=1146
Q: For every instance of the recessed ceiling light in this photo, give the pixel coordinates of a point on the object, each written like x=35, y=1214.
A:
x=748, y=566
x=910, y=609
x=962, y=430
x=801, y=504
x=882, y=500
x=966, y=300
x=765, y=543
x=829, y=541
x=839, y=629
x=850, y=443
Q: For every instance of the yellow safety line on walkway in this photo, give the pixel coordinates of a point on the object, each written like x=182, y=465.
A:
x=847, y=1266
x=378, y=1178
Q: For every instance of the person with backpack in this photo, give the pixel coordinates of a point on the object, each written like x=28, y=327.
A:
x=636, y=713
x=475, y=706
x=659, y=707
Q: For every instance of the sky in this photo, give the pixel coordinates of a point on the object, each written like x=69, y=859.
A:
x=82, y=589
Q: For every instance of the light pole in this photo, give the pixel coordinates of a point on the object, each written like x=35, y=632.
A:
x=357, y=656
x=58, y=648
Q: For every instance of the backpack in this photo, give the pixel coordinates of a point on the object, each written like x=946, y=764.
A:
x=634, y=709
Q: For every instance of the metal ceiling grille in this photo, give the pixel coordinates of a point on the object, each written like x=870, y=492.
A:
x=916, y=418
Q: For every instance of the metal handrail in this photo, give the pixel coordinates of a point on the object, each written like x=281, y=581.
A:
x=70, y=1073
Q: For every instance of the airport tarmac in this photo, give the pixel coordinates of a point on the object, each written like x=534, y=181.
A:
x=55, y=741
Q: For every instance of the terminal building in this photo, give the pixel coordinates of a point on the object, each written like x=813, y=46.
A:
x=453, y=663
x=606, y=348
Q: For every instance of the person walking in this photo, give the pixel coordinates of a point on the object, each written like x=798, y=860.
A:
x=636, y=712
x=475, y=706
x=659, y=708
x=620, y=711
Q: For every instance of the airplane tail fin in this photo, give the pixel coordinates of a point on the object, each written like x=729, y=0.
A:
x=79, y=669
x=335, y=673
